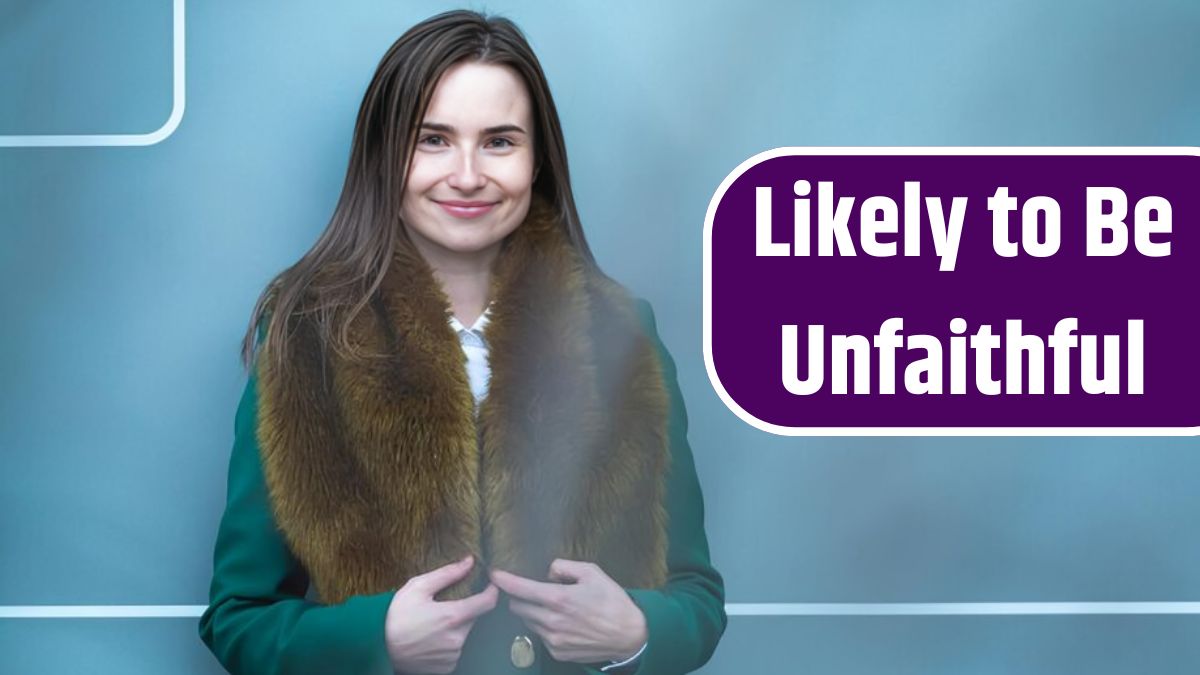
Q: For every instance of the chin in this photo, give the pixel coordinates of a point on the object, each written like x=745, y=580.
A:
x=468, y=246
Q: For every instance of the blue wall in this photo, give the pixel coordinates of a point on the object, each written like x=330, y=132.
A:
x=128, y=274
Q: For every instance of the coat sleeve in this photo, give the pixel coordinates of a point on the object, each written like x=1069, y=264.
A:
x=258, y=621
x=685, y=618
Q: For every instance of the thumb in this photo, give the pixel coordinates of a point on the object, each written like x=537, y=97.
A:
x=435, y=580
x=569, y=571
x=472, y=607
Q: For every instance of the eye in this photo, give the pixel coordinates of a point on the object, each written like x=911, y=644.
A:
x=500, y=142
x=434, y=140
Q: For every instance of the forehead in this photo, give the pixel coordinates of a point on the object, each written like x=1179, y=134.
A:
x=480, y=95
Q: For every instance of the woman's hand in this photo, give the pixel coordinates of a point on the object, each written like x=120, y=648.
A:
x=588, y=618
x=425, y=636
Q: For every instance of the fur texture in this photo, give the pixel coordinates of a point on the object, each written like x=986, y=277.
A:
x=380, y=469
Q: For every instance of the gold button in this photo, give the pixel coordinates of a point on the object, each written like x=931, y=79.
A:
x=521, y=651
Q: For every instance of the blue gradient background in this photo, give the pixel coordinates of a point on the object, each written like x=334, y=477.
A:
x=127, y=275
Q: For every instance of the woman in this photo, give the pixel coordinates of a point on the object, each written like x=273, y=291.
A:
x=395, y=474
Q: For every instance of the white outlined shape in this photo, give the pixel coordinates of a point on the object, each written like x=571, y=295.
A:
x=178, y=100
x=732, y=609
x=909, y=431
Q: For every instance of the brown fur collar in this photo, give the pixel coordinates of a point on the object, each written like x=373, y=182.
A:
x=379, y=470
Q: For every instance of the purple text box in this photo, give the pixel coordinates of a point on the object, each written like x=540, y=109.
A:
x=751, y=296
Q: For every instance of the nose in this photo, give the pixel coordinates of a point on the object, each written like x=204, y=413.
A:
x=466, y=175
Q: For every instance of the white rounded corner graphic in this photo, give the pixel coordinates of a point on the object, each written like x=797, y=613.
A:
x=178, y=103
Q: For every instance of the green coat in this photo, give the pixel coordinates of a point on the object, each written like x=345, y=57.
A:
x=260, y=622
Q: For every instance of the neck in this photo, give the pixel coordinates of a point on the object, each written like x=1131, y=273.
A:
x=465, y=279
x=468, y=293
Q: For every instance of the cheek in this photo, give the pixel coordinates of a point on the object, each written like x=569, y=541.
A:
x=422, y=175
x=517, y=178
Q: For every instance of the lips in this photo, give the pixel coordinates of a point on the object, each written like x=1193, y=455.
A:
x=465, y=209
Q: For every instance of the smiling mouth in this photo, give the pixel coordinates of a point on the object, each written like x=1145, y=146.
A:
x=465, y=209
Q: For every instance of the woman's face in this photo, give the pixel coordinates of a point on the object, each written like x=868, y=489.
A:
x=471, y=177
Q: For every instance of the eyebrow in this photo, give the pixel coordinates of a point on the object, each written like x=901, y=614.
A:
x=500, y=129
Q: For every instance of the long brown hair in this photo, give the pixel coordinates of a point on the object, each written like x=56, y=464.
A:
x=346, y=265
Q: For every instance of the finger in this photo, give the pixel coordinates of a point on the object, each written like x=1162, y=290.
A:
x=470, y=608
x=435, y=580
x=526, y=589
x=571, y=571
x=537, y=616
